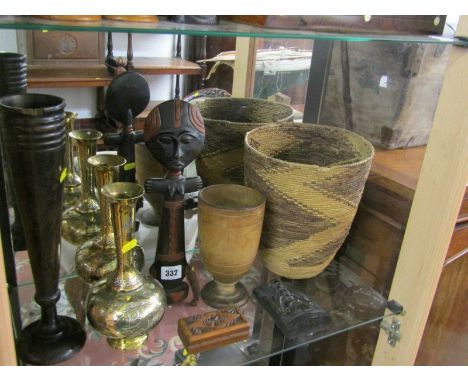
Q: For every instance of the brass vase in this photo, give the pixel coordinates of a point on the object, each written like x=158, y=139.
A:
x=82, y=221
x=72, y=182
x=129, y=304
x=230, y=219
x=96, y=259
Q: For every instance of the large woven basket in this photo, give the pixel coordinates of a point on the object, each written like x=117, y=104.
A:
x=227, y=120
x=313, y=177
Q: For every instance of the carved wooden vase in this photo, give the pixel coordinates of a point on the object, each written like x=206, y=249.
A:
x=33, y=139
x=13, y=80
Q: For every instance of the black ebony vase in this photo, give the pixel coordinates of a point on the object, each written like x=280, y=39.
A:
x=13, y=80
x=13, y=71
x=33, y=140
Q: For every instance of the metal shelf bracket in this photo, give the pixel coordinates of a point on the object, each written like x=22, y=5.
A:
x=393, y=331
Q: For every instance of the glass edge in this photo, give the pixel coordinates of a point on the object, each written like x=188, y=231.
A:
x=218, y=31
x=319, y=338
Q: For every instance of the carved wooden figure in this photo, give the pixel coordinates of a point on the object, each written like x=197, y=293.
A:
x=174, y=134
x=127, y=96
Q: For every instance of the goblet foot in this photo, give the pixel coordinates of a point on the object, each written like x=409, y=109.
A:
x=35, y=348
x=127, y=343
x=150, y=217
x=219, y=295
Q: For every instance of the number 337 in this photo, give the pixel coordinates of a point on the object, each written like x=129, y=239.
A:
x=171, y=273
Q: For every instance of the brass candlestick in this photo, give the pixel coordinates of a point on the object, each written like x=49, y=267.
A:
x=97, y=258
x=129, y=304
x=72, y=182
x=82, y=222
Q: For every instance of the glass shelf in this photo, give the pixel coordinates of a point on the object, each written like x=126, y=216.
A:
x=349, y=302
x=223, y=29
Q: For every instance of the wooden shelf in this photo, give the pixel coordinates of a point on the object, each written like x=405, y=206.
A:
x=97, y=76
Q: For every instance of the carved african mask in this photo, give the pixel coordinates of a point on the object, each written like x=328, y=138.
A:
x=175, y=134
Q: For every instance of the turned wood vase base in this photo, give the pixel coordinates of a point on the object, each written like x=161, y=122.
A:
x=54, y=349
x=219, y=296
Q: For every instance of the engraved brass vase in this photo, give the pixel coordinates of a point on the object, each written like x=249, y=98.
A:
x=230, y=219
x=129, y=304
x=82, y=221
x=97, y=258
x=72, y=182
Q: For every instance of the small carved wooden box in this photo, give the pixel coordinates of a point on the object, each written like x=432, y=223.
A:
x=212, y=329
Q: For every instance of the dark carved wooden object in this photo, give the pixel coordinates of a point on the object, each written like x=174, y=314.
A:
x=33, y=139
x=126, y=97
x=293, y=312
x=13, y=80
x=174, y=134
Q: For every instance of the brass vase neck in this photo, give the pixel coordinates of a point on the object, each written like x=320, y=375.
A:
x=86, y=141
x=123, y=198
x=106, y=169
x=70, y=123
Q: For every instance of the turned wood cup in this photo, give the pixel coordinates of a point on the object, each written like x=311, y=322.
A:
x=230, y=219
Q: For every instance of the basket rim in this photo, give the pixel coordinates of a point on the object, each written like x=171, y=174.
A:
x=251, y=124
x=286, y=125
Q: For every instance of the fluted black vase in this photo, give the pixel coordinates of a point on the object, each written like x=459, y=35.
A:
x=33, y=141
x=13, y=80
x=13, y=71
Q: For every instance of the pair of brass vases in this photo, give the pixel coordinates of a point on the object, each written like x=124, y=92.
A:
x=123, y=305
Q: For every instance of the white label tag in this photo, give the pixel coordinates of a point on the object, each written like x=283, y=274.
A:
x=383, y=81
x=171, y=273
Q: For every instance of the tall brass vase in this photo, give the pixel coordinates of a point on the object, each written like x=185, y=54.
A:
x=72, y=182
x=230, y=219
x=129, y=304
x=82, y=221
x=96, y=259
x=33, y=141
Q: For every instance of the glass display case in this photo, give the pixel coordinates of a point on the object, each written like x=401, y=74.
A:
x=379, y=290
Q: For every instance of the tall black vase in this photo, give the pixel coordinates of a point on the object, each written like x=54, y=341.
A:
x=33, y=140
x=13, y=80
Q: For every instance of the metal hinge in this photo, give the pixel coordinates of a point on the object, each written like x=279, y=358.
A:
x=393, y=331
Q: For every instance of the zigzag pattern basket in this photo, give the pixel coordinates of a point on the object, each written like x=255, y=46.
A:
x=313, y=177
x=227, y=120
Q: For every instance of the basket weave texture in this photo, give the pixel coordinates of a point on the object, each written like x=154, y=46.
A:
x=313, y=177
x=227, y=120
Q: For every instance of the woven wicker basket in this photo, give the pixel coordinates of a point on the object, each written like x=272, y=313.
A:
x=227, y=120
x=313, y=177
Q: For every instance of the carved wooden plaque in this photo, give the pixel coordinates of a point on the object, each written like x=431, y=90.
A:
x=64, y=48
